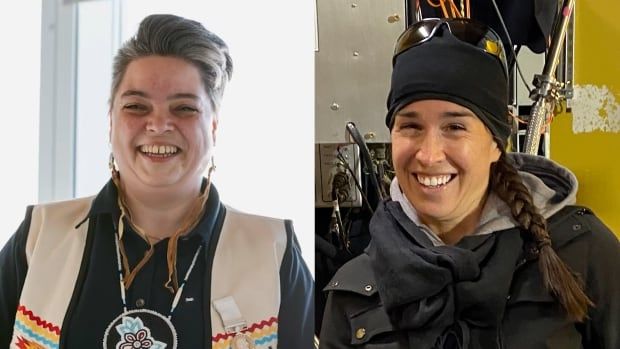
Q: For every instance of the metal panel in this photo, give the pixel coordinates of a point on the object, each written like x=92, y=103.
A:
x=328, y=166
x=353, y=65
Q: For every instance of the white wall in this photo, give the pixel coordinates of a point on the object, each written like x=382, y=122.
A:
x=20, y=34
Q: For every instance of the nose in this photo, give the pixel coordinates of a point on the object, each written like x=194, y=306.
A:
x=431, y=149
x=159, y=122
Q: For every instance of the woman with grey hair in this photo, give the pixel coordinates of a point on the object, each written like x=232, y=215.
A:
x=156, y=260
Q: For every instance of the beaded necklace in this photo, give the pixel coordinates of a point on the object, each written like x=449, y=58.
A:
x=143, y=328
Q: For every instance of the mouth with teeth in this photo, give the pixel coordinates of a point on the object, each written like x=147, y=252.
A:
x=158, y=151
x=434, y=182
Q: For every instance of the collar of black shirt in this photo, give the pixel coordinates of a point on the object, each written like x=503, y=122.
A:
x=105, y=203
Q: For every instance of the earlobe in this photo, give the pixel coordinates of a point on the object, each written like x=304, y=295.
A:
x=109, y=128
x=214, y=129
x=496, y=153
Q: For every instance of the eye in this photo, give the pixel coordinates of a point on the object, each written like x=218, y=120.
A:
x=409, y=126
x=186, y=109
x=456, y=127
x=135, y=108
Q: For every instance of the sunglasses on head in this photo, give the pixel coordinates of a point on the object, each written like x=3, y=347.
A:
x=464, y=29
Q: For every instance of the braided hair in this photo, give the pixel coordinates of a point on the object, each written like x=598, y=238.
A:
x=564, y=284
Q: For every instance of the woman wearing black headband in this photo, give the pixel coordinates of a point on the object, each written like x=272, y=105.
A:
x=476, y=248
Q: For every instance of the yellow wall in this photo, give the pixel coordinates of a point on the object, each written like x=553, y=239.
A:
x=595, y=156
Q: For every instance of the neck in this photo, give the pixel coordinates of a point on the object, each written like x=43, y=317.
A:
x=453, y=230
x=159, y=213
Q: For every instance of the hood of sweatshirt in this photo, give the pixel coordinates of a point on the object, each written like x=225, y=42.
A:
x=551, y=185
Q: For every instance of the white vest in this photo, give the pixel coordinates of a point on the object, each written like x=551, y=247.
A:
x=246, y=267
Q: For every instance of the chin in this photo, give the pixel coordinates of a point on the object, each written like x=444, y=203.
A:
x=160, y=181
x=434, y=212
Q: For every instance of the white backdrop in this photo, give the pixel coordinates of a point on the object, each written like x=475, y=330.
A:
x=20, y=31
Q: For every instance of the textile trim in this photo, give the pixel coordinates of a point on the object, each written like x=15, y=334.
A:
x=32, y=332
x=264, y=334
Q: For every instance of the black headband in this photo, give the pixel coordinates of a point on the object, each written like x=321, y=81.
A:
x=448, y=69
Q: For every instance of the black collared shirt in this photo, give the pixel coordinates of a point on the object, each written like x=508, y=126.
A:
x=96, y=299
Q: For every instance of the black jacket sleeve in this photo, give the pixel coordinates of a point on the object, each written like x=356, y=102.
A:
x=602, y=329
x=296, y=316
x=353, y=305
x=335, y=330
x=13, y=268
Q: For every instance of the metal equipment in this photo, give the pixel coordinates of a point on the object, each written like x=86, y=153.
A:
x=547, y=93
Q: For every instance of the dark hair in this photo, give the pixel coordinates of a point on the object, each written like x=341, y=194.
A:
x=174, y=36
x=564, y=284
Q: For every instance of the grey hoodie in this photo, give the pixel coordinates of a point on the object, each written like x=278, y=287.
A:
x=551, y=185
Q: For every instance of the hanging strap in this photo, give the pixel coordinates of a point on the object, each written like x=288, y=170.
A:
x=230, y=314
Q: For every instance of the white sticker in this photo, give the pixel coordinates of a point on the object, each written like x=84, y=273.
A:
x=595, y=108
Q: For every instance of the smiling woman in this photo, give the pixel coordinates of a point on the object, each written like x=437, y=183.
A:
x=255, y=159
x=476, y=248
x=155, y=259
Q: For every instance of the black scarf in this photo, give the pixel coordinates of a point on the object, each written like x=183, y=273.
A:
x=444, y=296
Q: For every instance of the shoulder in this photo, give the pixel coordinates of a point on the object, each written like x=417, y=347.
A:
x=253, y=226
x=354, y=286
x=256, y=223
x=73, y=210
x=245, y=231
x=354, y=314
x=51, y=221
x=581, y=239
x=579, y=224
x=355, y=276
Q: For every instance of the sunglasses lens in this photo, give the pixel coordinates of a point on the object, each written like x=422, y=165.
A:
x=468, y=33
x=466, y=30
x=417, y=33
x=471, y=32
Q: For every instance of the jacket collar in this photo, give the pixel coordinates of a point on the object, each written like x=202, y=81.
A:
x=105, y=203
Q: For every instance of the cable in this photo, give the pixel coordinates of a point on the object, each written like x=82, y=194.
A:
x=342, y=234
x=340, y=186
x=512, y=49
x=357, y=184
x=357, y=137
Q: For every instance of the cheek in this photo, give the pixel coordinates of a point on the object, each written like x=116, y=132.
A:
x=123, y=126
x=398, y=160
x=114, y=135
x=401, y=151
x=124, y=132
x=197, y=138
x=480, y=160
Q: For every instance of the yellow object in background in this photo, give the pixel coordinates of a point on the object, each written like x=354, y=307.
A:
x=594, y=156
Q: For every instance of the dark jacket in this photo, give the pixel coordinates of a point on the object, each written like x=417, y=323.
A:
x=501, y=304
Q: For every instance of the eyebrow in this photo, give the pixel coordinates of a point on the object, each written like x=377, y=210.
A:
x=183, y=95
x=450, y=113
x=129, y=93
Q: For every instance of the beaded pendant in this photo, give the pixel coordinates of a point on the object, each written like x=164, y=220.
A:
x=140, y=329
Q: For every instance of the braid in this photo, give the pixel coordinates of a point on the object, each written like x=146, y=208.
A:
x=557, y=276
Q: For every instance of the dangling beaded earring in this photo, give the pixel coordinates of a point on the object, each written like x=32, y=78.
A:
x=210, y=170
x=112, y=166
